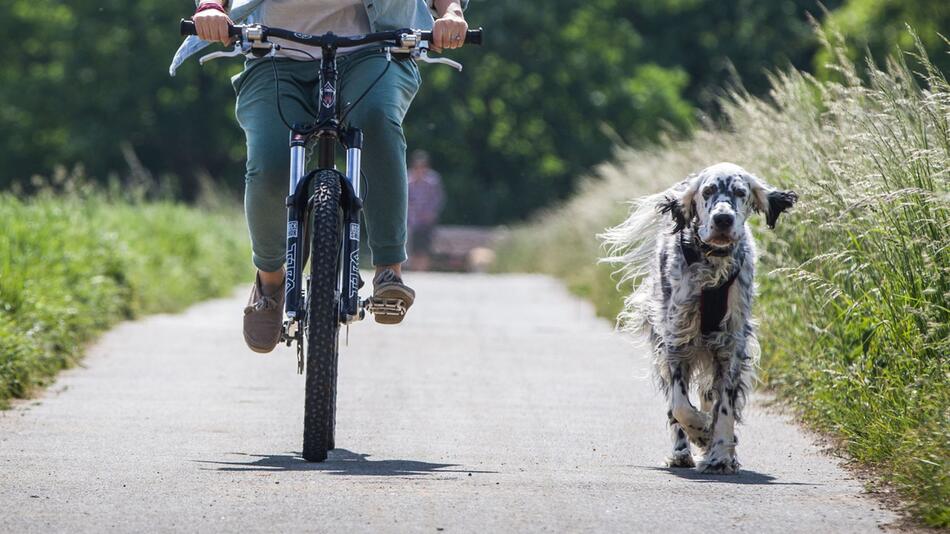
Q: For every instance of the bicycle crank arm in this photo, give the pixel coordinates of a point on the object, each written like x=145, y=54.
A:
x=360, y=315
x=291, y=332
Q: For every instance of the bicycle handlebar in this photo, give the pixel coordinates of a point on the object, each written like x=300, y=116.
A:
x=187, y=27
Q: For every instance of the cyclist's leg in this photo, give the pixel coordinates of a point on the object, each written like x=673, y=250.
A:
x=380, y=115
x=268, y=156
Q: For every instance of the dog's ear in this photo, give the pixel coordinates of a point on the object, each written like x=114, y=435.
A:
x=779, y=201
x=672, y=205
x=678, y=202
x=770, y=201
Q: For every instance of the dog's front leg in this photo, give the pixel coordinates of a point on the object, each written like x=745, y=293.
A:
x=707, y=398
x=696, y=424
x=681, y=456
x=720, y=457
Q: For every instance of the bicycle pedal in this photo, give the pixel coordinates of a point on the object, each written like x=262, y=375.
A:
x=381, y=306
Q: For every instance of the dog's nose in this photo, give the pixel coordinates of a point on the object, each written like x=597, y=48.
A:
x=723, y=220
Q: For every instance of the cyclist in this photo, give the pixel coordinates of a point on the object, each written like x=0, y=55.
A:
x=379, y=114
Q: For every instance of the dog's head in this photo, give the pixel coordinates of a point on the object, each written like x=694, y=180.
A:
x=718, y=200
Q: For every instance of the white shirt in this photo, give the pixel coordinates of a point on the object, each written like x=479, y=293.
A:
x=316, y=17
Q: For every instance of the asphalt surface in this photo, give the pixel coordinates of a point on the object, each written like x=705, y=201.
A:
x=501, y=404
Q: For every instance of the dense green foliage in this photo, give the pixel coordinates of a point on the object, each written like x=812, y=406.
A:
x=879, y=26
x=87, y=78
x=855, y=283
x=73, y=265
x=555, y=86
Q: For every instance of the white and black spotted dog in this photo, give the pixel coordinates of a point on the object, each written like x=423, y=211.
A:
x=692, y=257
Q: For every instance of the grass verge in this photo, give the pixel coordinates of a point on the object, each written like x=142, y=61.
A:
x=854, y=285
x=71, y=266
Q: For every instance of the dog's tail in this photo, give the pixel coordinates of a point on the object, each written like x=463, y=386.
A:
x=631, y=246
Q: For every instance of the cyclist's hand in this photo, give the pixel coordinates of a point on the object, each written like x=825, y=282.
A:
x=449, y=31
x=212, y=25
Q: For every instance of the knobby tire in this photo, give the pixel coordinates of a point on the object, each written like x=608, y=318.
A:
x=323, y=325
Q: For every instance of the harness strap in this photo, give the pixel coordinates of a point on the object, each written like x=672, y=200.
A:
x=713, y=301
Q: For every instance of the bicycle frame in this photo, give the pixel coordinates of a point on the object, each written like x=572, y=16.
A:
x=326, y=132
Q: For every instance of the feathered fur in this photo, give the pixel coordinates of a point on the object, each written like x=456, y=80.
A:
x=679, y=248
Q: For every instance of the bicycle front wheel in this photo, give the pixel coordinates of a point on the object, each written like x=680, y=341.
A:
x=323, y=321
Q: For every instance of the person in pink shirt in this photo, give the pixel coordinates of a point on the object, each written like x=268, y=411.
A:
x=426, y=199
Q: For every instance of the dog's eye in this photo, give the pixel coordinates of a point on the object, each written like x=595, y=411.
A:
x=740, y=193
x=708, y=191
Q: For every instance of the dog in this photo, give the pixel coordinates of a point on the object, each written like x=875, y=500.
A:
x=691, y=257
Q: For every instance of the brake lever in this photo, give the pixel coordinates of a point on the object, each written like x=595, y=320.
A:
x=238, y=51
x=419, y=50
x=423, y=56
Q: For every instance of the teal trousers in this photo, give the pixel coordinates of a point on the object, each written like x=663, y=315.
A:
x=379, y=114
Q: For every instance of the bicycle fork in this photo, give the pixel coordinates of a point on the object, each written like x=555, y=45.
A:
x=350, y=307
x=298, y=205
x=296, y=240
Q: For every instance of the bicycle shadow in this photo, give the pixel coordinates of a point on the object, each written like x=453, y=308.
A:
x=743, y=477
x=338, y=462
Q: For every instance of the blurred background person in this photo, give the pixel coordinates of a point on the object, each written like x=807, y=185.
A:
x=426, y=199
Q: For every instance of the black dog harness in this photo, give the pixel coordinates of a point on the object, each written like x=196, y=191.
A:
x=713, y=301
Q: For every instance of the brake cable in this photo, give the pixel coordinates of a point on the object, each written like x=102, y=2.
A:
x=345, y=112
x=273, y=62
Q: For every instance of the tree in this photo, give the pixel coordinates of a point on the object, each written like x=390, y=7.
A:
x=880, y=26
x=552, y=90
x=86, y=79
x=557, y=85
x=718, y=43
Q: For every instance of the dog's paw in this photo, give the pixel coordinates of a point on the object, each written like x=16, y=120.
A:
x=680, y=459
x=718, y=467
x=719, y=463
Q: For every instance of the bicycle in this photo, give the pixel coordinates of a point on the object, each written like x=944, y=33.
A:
x=323, y=210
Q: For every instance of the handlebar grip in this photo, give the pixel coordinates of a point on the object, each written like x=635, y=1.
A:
x=471, y=36
x=187, y=27
x=474, y=37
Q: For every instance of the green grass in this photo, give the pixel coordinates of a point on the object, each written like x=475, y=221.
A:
x=856, y=281
x=73, y=265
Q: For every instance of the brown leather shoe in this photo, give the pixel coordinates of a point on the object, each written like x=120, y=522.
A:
x=391, y=298
x=263, y=318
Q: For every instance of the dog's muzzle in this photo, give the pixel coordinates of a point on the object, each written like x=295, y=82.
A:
x=723, y=221
x=721, y=227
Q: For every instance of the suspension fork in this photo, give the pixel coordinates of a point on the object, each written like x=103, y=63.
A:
x=350, y=309
x=296, y=229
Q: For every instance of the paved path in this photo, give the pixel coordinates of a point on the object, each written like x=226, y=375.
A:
x=500, y=405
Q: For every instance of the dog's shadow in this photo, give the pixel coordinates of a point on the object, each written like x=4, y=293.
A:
x=338, y=462
x=743, y=477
